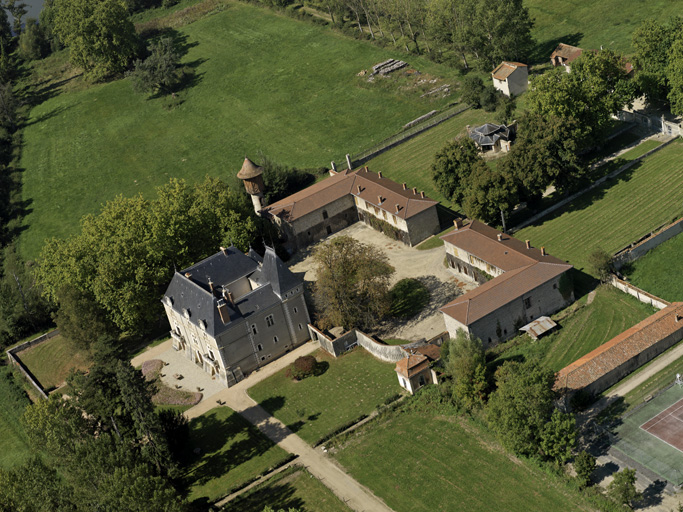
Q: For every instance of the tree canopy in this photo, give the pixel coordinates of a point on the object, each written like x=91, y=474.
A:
x=125, y=256
x=100, y=36
x=466, y=365
x=352, y=283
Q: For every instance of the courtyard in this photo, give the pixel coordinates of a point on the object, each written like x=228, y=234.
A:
x=425, y=266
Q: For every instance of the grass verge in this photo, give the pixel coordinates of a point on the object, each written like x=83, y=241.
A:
x=356, y=383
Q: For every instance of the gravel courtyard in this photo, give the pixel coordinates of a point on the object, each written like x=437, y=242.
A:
x=426, y=266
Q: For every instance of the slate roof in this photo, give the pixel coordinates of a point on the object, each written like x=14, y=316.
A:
x=505, y=69
x=189, y=291
x=346, y=182
x=523, y=271
x=488, y=134
x=412, y=365
x=568, y=52
x=620, y=349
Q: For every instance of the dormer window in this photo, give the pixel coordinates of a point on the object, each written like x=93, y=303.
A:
x=202, y=324
x=169, y=301
x=186, y=313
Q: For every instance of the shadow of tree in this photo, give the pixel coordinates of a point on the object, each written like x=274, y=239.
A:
x=652, y=495
x=278, y=495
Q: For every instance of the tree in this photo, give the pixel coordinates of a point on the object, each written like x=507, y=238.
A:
x=100, y=36
x=33, y=487
x=466, y=364
x=32, y=43
x=623, y=488
x=5, y=29
x=17, y=9
x=489, y=194
x=674, y=73
x=544, y=154
x=453, y=166
x=79, y=317
x=352, y=283
x=600, y=264
x=596, y=88
x=471, y=91
x=521, y=405
x=584, y=465
x=558, y=437
x=8, y=107
x=157, y=73
x=281, y=181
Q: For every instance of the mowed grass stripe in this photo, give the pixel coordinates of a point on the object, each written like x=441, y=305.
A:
x=265, y=82
x=417, y=461
x=644, y=197
x=660, y=271
x=411, y=161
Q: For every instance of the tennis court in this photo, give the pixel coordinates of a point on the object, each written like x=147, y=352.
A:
x=652, y=435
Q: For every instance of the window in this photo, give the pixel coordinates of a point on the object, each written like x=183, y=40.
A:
x=554, y=286
x=270, y=321
x=328, y=229
x=254, y=330
x=263, y=358
x=301, y=327
x=259, y=347
x=211, y=355
x=296, y=310
x=527, y=302
x=194, y=339
x=385, y=214
x=275, y=340
x=505, y=331
x=325, y=214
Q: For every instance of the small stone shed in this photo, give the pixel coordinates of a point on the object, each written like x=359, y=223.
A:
x=415, y=371
x=511, y=78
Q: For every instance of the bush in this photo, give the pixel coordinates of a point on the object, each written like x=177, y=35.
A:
x=470, y=92
x=303, y=367
x=584, y=465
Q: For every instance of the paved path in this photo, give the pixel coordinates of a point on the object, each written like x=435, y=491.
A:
x=356, y=496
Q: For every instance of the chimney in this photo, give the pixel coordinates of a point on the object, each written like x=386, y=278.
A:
x=543, y=251
x=528, y=244
x=231, y=299
x=348, y=161
x=415, y=190
x=223, y=311
x=210, y=285
x=379, y=199
x=379, y=174
x=359, y=189
x=188, y=275
x=334, y=166
x=422, y=194
x=397, y=207
x=224, y=251
x=500, y=237
x=678, y=318
x=457, y=223
x=405, y=186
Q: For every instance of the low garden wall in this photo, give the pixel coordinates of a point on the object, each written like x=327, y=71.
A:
x=16, y=361
x=639, y=294
x=640, y=247
x=338, y=345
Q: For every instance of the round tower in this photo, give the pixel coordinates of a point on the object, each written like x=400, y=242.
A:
x=251, y=175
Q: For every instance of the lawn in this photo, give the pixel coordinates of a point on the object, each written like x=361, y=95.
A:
x=660, y=271
x=263, y=83
x=583, y=327
x=50, y=362
x=355, y=383
x=422, y=461
x=14, y=447
x=294, y=488
x=411, y=161
x=611, y=216
x=231, y=452
x=591, y=24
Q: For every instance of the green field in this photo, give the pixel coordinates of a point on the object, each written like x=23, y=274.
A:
x=660, y=271
x=583, y=329
x=417, y=461
x=354, y=384
x=14, y=447
x=264, y=82
x=294, y=488
x=232, y=451
x=50, y=362
x=590, y=24
x=411, y=161
x=611, y=216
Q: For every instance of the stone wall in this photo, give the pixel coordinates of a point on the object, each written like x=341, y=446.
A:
x=639, y=294
x=423, y=225
x=338, y=345
x=388, y=353
x=655, y=123
x=314, y=226
x=648, y=242
x=15, y=360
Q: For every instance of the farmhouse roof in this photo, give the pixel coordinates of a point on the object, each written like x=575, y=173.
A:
x=567, y=52
x=430, y=351
x=621, y=348
x=361, y=183
x=502, y=290
x=487, y=134
x=249, y=170
x=505, y=69
x=412, y=365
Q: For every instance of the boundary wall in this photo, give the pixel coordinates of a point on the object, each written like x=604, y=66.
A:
x=640, y=247
x=641, y=295
x=16, y=361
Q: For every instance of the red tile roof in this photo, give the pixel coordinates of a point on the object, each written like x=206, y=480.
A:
x=412, y=365
x=567, y=52
x=622, y=348
x=505, y=69
x=431, y=352
x=362, y=183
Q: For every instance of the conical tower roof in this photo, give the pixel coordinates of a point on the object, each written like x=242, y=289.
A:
x=249, y=170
